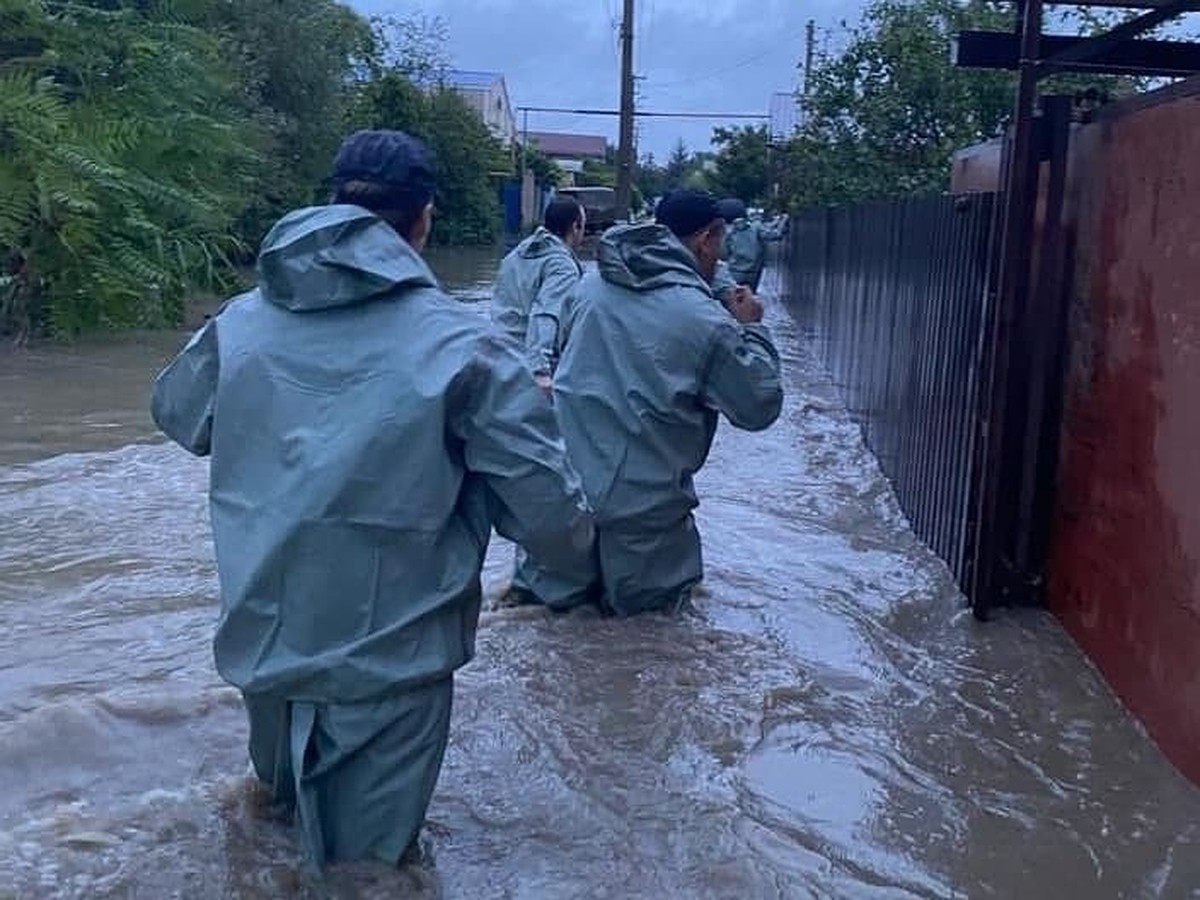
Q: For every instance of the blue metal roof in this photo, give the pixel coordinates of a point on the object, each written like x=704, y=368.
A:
x=466, y=78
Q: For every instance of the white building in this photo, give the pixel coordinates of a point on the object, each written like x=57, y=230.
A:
x=487, y=94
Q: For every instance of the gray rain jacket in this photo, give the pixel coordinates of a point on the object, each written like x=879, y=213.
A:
x=534, y=281
x=745, y=248
x=366, y=432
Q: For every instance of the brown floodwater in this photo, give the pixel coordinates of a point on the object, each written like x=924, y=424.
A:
x=828, y=722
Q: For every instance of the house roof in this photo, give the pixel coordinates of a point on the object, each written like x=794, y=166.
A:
x=471, y=79
x=580, y=145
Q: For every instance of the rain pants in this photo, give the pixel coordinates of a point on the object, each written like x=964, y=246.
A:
x=650, y=361
x=745, y=248
x=533, y=282
x=366, y=433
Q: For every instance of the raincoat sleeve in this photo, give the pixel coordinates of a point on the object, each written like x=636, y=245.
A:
x=741, y=378
x=572, y=308
x=185, y=392
x=723, y=281
x=510, y=437
x=545, y=313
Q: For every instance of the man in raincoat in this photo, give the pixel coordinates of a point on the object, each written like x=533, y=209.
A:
x=651, y=359
x=536, y=278
x=366, y=433
x=746, y=239
x=723, y=285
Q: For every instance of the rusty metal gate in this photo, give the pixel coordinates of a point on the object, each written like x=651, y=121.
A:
x=895, y=298
x=942, y=321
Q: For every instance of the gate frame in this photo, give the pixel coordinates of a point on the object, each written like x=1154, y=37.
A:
x=1020, y=408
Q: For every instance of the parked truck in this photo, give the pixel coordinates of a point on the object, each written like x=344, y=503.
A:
x=600, y=204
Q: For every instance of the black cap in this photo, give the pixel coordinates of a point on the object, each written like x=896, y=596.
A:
x=686, y=212
x=731, y=208
x=392, y=158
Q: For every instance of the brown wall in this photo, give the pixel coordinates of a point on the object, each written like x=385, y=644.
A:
x=1124, y=570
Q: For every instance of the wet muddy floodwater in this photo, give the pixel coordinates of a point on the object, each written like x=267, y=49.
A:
x=828, y=722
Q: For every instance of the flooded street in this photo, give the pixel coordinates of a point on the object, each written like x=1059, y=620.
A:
x=830, y=722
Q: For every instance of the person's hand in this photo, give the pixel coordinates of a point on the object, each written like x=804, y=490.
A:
x=545, y=382
x=744, y=306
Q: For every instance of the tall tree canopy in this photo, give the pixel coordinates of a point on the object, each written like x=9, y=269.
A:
x=145, y=147
x=885, y=113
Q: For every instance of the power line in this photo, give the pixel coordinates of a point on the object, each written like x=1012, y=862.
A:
x=645, y=26
x=648, y=114
x=724, y=70
x=717, y=73
x=613, y=26
x=638, y=97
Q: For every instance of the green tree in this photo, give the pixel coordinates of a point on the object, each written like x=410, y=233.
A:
x=470, y=160
x=122, y=164
x=144, y=142
x=388, y=100
x=406, y=90
x=678, y=167
x=471, y=164
x=885, y=114
x=297, y=63
x=650, y=177
x=597, y=174
x=741, y=163
x=544, y=169
x=413, y=46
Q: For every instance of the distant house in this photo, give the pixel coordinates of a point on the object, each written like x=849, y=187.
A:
x=570, y=151
x=487, y=94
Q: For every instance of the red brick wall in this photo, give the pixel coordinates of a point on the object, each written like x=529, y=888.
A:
x=1124, y=571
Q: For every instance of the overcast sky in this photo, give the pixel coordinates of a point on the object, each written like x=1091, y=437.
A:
x=722, y=56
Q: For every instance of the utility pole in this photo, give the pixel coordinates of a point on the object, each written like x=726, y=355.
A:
x=636, y=153
x=524, y=202
x=809, y=40
x=625, y=145
x=638, y=97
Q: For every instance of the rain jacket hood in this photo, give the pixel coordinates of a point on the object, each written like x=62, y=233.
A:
x=646, y=257
x=329, y=256
x=542, y=243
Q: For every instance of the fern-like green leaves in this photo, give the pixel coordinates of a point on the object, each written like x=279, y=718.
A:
x=146, y=143
x=119, y=139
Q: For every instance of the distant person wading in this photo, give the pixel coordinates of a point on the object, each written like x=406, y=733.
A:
x=746, y=239
x=536, y=279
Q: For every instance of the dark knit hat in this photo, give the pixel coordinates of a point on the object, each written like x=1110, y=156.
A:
x=390, y=158
x=686, y=212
